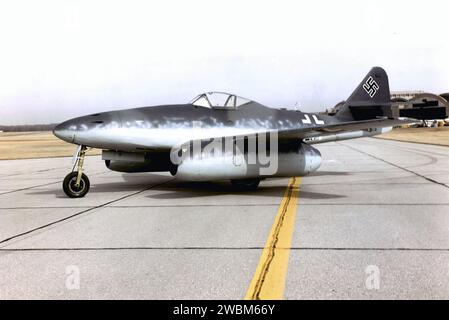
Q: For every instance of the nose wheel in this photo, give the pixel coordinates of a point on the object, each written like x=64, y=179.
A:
x=76, y=184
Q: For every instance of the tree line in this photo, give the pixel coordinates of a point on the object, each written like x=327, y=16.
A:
x=28, y=127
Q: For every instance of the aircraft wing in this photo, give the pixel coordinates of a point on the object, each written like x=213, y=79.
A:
x=307, y=132
x=327, y=129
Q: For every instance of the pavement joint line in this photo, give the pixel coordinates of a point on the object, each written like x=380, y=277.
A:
x=395, y=165
x=231, y=205
x=427, y=151
x=374, y=204
x=268, y=282
x=81, y=212
x=367, y=249
x=414, y=142
x=433, y=159
x=360, y=184
x=197, y=205
x=222, y=248
x=45, y=184
x=38, y=208
x=406, y=148
x=22, y=189
x=32, y=172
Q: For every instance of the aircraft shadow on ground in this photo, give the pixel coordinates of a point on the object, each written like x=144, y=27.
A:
x=183, y=190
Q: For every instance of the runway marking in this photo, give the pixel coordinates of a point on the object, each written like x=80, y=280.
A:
x=269, y=279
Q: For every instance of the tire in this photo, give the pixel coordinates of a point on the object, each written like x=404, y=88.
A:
x=69, y=185
x=245, y=184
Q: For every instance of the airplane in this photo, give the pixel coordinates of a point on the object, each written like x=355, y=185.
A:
x=157, y=138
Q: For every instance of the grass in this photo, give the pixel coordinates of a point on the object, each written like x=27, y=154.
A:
x=438, y=136
x=29, y=145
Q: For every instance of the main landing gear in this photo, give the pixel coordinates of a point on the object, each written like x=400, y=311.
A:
x=76, y=184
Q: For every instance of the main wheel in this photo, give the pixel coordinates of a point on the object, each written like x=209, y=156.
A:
x=246, y=184
x=70, y=188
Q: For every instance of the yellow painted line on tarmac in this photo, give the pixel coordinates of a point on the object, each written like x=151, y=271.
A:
x=268, y=282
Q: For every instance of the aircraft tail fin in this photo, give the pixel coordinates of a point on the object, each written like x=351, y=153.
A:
x=371, y=99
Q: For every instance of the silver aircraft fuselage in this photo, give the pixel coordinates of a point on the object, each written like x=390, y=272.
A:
x=163, y=127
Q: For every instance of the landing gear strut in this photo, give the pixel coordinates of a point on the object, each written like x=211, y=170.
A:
x=76, y=184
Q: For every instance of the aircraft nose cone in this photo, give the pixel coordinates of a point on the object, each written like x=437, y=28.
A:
x=65, y=131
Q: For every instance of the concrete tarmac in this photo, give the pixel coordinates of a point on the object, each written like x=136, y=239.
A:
x=375, y=208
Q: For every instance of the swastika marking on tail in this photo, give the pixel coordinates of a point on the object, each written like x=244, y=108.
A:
x=371, y=87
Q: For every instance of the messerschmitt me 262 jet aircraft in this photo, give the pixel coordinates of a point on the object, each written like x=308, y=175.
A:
x=156, y=139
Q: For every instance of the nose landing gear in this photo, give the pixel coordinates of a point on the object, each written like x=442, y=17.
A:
x=76, y=184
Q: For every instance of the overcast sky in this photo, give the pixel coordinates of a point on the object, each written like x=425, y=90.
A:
x=60, y=59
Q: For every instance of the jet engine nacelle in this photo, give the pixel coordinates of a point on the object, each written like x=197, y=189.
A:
x=136, y=162
x=292, y=160
x=128, y=166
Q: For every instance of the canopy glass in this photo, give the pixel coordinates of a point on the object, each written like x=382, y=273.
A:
x=219, y=100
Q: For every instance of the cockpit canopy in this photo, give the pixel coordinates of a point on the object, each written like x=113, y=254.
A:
x=219, y=100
